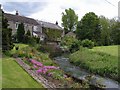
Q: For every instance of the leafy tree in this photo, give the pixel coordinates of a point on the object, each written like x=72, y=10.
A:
x=115, y=34
x=7, y=43
x=89, y=27
x=20, y=33
x=68, y=41
x=69, y=19
x=105, y=30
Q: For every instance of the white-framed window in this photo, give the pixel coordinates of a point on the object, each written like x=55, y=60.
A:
x=16, y=25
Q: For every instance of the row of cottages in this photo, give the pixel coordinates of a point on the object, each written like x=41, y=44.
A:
x=44, y=30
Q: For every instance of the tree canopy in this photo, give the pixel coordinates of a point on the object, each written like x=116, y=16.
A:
x=105, y=30
x=69, y=20
x=89, y=27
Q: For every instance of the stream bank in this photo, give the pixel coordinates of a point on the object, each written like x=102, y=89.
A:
x=80, y=74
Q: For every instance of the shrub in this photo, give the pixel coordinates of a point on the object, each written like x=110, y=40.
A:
x=37, y=39
x=29, y=40
x=87, y=43
x=32, y=41
x=75, y=46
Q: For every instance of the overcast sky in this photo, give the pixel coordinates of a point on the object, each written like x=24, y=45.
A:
x=50, y=10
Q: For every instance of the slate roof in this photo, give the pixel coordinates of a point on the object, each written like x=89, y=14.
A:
x=49, y=25
x=70, y=34
x=23, y=19
x=18, y=18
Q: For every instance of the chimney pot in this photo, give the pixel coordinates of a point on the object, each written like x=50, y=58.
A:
x=56, y=23
x=17, y=13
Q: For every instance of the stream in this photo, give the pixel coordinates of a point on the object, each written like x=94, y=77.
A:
x=81, y=74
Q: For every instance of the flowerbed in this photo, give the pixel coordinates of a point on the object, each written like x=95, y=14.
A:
x=43, y=65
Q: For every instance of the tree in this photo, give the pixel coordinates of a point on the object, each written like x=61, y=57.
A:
x=20, y=33
x=69, y=20
x=89, y=27
x=28, y=33
x=115, y=34
x=7, y=43
x=105, y=30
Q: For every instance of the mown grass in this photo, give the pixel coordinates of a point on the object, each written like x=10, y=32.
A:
x=13, y=76
x=99, y=60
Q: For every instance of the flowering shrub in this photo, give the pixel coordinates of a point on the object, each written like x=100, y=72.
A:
x=41, y=68
x=36, y=63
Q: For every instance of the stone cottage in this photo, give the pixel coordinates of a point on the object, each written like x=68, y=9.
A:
x=36, y=27
x=15, y=20
x=47, y=28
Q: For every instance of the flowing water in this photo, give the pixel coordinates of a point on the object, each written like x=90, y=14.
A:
x=81, y=74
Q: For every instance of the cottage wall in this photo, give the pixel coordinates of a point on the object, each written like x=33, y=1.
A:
x=28, y=27
x=14, y=26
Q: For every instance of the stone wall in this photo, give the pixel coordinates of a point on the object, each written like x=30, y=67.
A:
x=14, y=26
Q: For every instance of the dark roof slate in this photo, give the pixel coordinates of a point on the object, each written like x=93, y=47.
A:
x=49, y=25
x=22, y=19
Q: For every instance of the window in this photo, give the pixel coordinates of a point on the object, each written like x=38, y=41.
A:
x=16, y=25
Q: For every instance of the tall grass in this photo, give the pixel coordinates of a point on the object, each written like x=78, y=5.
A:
x=97, y=60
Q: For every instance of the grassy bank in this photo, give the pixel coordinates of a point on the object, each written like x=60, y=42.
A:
x=99, y=60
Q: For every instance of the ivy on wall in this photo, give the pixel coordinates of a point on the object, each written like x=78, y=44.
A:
x=52, y=34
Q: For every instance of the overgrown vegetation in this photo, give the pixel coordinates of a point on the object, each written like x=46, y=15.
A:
x=72, y=44
x=52, y=35
x=99, y=61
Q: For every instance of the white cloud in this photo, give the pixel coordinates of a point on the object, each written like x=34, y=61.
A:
x=52, y=11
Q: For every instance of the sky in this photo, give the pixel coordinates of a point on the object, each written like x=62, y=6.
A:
x=51, y=10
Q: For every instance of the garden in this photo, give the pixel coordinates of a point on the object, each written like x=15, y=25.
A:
x=42, y=65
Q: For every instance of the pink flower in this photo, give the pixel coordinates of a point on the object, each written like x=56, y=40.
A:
x=35, y=66
x=50, y=67
x=39, y=71
x=49, y=74
x=36, y=62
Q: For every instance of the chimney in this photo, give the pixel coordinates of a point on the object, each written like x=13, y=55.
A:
x=56, y=23
x=0, y=6
x=17, y=13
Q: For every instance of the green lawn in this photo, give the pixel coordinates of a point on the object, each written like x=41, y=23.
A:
x=100, y=60
x=13, y=76
x=112, y=50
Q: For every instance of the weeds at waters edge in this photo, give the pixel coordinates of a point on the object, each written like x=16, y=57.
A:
x=96, y=62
